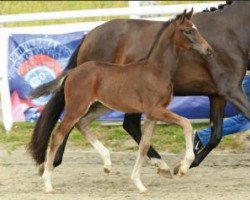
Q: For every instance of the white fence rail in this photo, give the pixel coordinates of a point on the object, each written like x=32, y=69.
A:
x=67, y=28
x=144, y=10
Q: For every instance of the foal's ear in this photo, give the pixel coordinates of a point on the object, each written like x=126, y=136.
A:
x=182, y=17
x=189, y=15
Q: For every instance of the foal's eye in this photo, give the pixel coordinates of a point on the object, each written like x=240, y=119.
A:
x=189, y=31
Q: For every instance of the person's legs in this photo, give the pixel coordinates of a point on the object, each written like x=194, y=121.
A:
x=237, y=123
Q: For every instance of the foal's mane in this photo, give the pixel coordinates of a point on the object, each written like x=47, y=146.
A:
x=157, y=37
x=220, y=7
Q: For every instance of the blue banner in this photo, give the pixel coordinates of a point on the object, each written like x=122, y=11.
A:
x=37, y=59
x=34, y=60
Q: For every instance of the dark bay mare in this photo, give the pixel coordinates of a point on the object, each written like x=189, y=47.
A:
x=113, y=85
x=123, y=41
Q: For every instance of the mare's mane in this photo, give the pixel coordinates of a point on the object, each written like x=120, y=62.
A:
x=165, y=25
x=220, y=7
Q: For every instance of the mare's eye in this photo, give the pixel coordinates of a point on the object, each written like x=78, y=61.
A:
x=189, y=31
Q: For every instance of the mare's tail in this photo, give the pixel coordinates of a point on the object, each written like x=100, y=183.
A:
x=47, y=121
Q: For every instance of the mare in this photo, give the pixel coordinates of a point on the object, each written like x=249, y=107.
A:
x=124, y=41
x=113, y=85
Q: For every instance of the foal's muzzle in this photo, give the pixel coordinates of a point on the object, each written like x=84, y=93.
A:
x=209, y=51
x=206, y=51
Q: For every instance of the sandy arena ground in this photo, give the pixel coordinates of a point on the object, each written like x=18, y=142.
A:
x=220, y=177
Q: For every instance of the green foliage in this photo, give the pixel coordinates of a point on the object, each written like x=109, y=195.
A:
x=16, y=7
x=181, y=2
x=19, y=136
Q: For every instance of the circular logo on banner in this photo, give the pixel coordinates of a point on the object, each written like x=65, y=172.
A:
x=38, y=61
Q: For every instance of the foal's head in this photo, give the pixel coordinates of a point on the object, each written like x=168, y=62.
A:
x=186, y=35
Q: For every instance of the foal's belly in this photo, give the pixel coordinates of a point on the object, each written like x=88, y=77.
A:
x=120, y=104
x=121, y=98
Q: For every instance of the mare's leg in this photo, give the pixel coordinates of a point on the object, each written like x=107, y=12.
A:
x=217, y=107
x=83, y=126
x=164, y=115
x=132, y=124
x=143, y=149
x=240, y=101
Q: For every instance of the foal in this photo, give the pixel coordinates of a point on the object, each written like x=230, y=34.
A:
x=111, y=85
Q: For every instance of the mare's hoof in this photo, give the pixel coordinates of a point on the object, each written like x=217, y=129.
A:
x=194, y=164
x=165, y=173
x=41, y=169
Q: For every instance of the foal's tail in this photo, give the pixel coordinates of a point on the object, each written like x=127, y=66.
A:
x=50, y=87
x=48, y=119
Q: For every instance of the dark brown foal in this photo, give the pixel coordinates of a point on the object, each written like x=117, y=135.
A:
x=110, y=84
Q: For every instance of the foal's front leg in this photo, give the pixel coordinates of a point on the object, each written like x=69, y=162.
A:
x=83, y=126
x=132, y=124
x=99, y=147
x=143, y=149
x=164, y=115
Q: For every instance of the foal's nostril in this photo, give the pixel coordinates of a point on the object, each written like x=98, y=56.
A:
x=209, y=51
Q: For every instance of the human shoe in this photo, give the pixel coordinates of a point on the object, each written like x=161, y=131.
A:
x=198, y=146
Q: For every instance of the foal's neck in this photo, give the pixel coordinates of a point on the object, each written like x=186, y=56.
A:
x=164, y=55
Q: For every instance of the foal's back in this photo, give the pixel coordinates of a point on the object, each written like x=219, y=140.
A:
x=122, y=87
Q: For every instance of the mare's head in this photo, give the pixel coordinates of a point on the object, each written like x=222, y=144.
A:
x=186, y=36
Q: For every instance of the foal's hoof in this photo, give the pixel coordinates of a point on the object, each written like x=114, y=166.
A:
x=179, y=171
x=176, y=169
x=165, y=173
x=49, y=191
x=107, y=169
x=41, y=169
x=144, y=191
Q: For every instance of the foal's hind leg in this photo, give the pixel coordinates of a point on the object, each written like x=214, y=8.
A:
x=57, y=139
x=166, y=116
x=72, y=115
